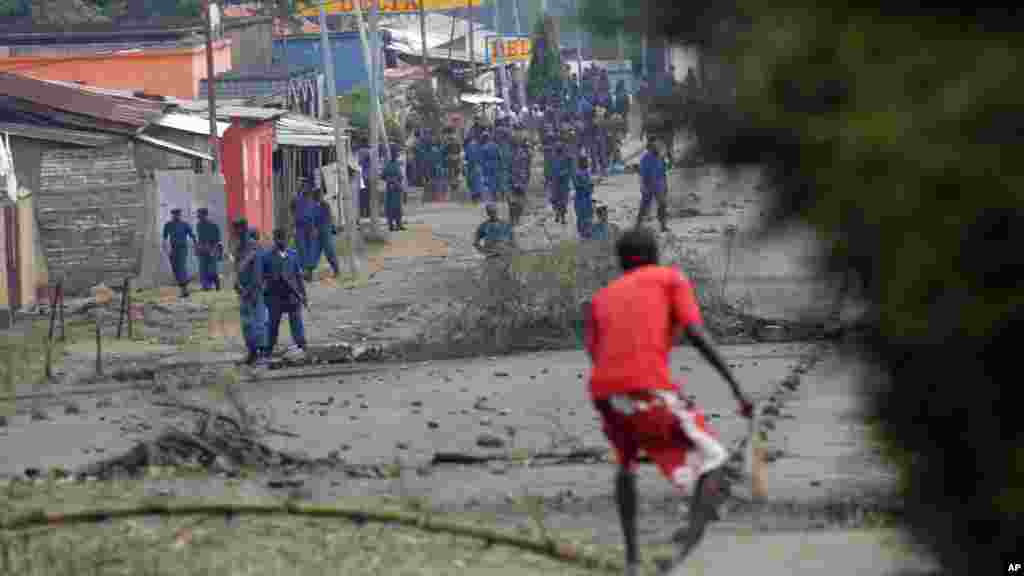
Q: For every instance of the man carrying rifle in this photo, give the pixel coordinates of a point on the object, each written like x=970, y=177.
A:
x=249, y=286
x=285, y=290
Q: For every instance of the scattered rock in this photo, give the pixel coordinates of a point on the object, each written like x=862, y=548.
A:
x=323, y=412
x=334, y=455
x=3, y=421
x=363, y=405
x=501, y=374
x=417, y=403
x=402, y=445
x=497, y=468
x=770, y=410
x=815, y=483
x=771, y=333
x=104, y=403
x=489, y=441
x=344, y=447
x=485, y=421
x=279, y=483
x=71, y=408
x=31, y=473
x=792, y=382
x=433, y=425
x=505, y=412
x=39, y=415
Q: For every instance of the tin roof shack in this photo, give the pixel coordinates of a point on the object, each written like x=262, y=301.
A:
x=168, y=61
x=304, y=146
x=88, y=162
x=296, y=89
x=248, y=165
x=252, y=40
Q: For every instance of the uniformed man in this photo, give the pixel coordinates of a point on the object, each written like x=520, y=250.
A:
x=504, y=172
x=392, y=175
x=520, y=168
x=603, y=230
x=493, y=236
x=307, y=232
x=249, y=286
x=285, y=291
x=653, y=183
x=489, y=157
x=327, y=231
x=562, y=180
x=453, y=156
x=473, y=175
x=210, y=250
x=584, y=198
x=176, y=236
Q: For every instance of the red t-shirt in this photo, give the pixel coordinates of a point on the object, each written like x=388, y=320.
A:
x=631, y=327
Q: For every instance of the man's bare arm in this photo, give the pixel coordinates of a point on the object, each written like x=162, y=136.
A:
x=702, y=341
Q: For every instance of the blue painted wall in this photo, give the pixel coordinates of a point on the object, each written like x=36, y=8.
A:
x=349, y=64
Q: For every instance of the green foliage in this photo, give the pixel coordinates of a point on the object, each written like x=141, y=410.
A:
x=891, y=136
x=14, y=8
x=356, y=106
x=545, y=64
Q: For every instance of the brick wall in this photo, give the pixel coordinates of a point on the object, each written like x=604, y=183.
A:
x=91, y=215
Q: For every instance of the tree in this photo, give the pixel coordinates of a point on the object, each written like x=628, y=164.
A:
x=545, y=71
x=891, y=135
x=14, y=8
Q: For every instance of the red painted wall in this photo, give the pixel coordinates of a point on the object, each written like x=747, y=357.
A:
x=247, y=165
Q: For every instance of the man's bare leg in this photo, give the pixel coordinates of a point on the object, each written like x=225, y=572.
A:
x=625, y=497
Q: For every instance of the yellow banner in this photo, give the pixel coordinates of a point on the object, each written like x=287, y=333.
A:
x=514, y=49
x=312, y=7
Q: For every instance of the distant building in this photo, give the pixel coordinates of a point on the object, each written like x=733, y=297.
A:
x=160, y=61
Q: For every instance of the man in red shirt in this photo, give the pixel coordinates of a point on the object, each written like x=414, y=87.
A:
x=631, y=327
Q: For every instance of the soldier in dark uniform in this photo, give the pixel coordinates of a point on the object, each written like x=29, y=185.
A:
x=177, y=234
x=520, y=168
x=453, y=156
x=393, y=191
x=285, y=291
x=210, y=250
x=249, y=286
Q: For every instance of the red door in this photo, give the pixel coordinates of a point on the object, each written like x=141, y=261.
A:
x=11, y=255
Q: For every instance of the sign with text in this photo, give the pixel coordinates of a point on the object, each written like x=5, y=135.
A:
x=509, y=48
x=312, y=7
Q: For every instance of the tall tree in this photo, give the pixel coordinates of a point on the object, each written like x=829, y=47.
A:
x=892, y=136
x=545, y=71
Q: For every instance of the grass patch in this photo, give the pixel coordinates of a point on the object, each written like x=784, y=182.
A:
x=242, y=544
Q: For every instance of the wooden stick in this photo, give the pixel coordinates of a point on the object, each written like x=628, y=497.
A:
x=99, y=342
x=60, y=299
x=128, y=292
x=755, y=457
x=122, y=309
x=562, y=551
x=53, y=314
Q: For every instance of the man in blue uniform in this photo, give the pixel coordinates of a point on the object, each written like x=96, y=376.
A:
x=520, y=177
x=249, y=286
x=393, y=192
x=603, y=230
x=489, y=156
x=176, y=234
x=473, y=176
x=285, y=291
x=493, y=236
x=504, y=172
x=584, y=200
x=653, y=182
x=561, y=180
x=327, y=231
x=210, y=250
x=307, y=230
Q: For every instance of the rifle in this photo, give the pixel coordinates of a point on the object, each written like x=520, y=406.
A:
x=287, y=280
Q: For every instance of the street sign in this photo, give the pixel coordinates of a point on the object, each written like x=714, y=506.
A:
x=512, y=48
x=312, y=7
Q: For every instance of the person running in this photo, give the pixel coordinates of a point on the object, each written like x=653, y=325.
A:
x=653, y=185
x=176, y=236
x=631, y=385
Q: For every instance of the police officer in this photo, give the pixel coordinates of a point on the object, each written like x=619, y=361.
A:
x=307, y=230
x=210, y=250
x=453, y=156
x=285, y=291
x=653, y=182
x=493, y=236
x=521, y=160
x=176, y=234
x=249, y=285
x=603, y=230
x=393, y=192
x=584, y=199
x=504, y=172
x=473, y=175
x=327, y=231
x=561, y=181
x=489, y=156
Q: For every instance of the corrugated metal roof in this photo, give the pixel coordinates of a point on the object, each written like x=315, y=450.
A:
x=248, y=113
x=164, y=144
x=77, y=137
x=305, y=132
x=134, y=112
x=191, y=123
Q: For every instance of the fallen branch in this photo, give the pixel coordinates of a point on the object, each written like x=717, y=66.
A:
x=572, y=457
x=561, y=551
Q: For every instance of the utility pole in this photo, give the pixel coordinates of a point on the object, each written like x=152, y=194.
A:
x=520, y=67
x=374, y=114
x=472, y=44
x=341, y=152
x=423, y=34
x=499, y=58
x=212, y=20
x=579, y=41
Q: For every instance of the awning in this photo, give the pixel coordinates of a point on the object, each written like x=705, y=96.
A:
x=480, y=99
x=172, y=147
x=191, y=123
